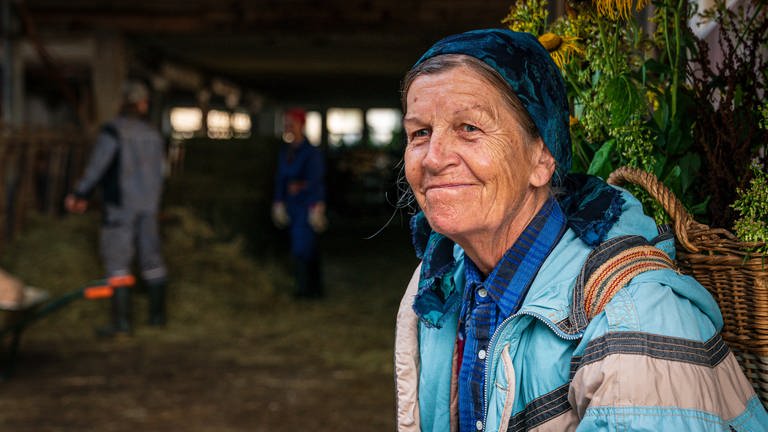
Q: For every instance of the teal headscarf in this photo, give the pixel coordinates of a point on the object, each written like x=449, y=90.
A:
x=527, y=67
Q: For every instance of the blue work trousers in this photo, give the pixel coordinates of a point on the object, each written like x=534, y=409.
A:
x=303, y=238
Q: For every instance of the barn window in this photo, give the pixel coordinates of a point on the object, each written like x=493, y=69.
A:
x=345, y=126
x=185, y=121
x=241, y=124
x=313, y=129
x=383, y=124
x=218, y=124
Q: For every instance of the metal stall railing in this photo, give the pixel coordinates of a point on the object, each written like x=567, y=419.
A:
x=37, y=169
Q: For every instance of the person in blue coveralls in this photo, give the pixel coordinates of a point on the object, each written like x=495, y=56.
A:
x=299, y=202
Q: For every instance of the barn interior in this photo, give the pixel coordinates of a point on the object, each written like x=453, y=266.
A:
x=221, y=75
x=239, y=352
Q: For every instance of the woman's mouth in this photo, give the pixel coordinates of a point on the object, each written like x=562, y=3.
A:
x=445, y=187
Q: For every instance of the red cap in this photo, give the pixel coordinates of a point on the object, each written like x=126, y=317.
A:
x=297, y=114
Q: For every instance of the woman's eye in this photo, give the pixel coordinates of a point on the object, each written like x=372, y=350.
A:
x=420, y=133
x=469, y=128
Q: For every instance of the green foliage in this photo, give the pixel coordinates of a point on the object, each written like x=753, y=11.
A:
x=752, y=207
x=630, y=106
x=601, y=163
x=528, y=16
x=764, y=114
x=729, y=95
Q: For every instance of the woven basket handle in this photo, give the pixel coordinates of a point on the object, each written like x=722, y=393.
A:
x=681, y=219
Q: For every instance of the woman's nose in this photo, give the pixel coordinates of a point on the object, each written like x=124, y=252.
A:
x=441, y=152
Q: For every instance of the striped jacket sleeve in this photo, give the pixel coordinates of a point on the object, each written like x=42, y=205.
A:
x=657, y=363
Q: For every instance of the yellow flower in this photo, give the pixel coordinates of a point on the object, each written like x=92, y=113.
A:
x=560, y=47
x=652, y=99
x=573, y=121
x=618, y=9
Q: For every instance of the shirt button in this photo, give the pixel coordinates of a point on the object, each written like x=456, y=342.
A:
x=482, y=292
x=479, y=425
x=481, y=355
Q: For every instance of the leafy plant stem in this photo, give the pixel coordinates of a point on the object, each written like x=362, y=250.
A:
x=676, y=70
x=665, y=32
x=748, y=27
x=615, y=48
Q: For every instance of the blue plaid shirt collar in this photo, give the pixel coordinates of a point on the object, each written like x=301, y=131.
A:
x=503, y=292
x=509, y=281
x=437, y=295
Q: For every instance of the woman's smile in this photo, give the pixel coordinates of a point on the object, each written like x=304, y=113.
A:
x=447, y=187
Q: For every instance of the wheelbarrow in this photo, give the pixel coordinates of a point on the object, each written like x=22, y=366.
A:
x=38, y=304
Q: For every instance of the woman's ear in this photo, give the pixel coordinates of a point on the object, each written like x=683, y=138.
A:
x=543, y=165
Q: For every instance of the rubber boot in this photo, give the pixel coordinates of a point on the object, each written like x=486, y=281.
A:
x=309, y=282
x=156, y=294
x=301, y=274
x=314, y=279
x=122, y=311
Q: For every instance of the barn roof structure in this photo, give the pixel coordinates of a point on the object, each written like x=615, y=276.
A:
x=292, y=51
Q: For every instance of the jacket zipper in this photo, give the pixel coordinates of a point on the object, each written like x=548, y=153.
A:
x=489, y=351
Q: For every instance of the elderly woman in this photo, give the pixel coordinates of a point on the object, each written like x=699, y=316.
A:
x=544, y=300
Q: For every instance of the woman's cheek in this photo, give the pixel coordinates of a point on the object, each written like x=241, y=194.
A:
x=412, y=167
x=499, y=147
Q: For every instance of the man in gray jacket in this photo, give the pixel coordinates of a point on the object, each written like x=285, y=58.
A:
x=127, y=163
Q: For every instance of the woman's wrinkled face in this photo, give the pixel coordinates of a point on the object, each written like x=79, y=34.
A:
x=467, y=160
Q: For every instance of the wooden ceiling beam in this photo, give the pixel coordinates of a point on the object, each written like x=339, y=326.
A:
x=275, y=16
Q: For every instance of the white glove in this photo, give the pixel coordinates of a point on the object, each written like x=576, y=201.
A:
x=317, y=219
x=280, y=216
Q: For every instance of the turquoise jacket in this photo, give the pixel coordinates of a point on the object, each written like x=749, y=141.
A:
x=652, y=360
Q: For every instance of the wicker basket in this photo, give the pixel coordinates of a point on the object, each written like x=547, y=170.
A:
x=736, y=278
